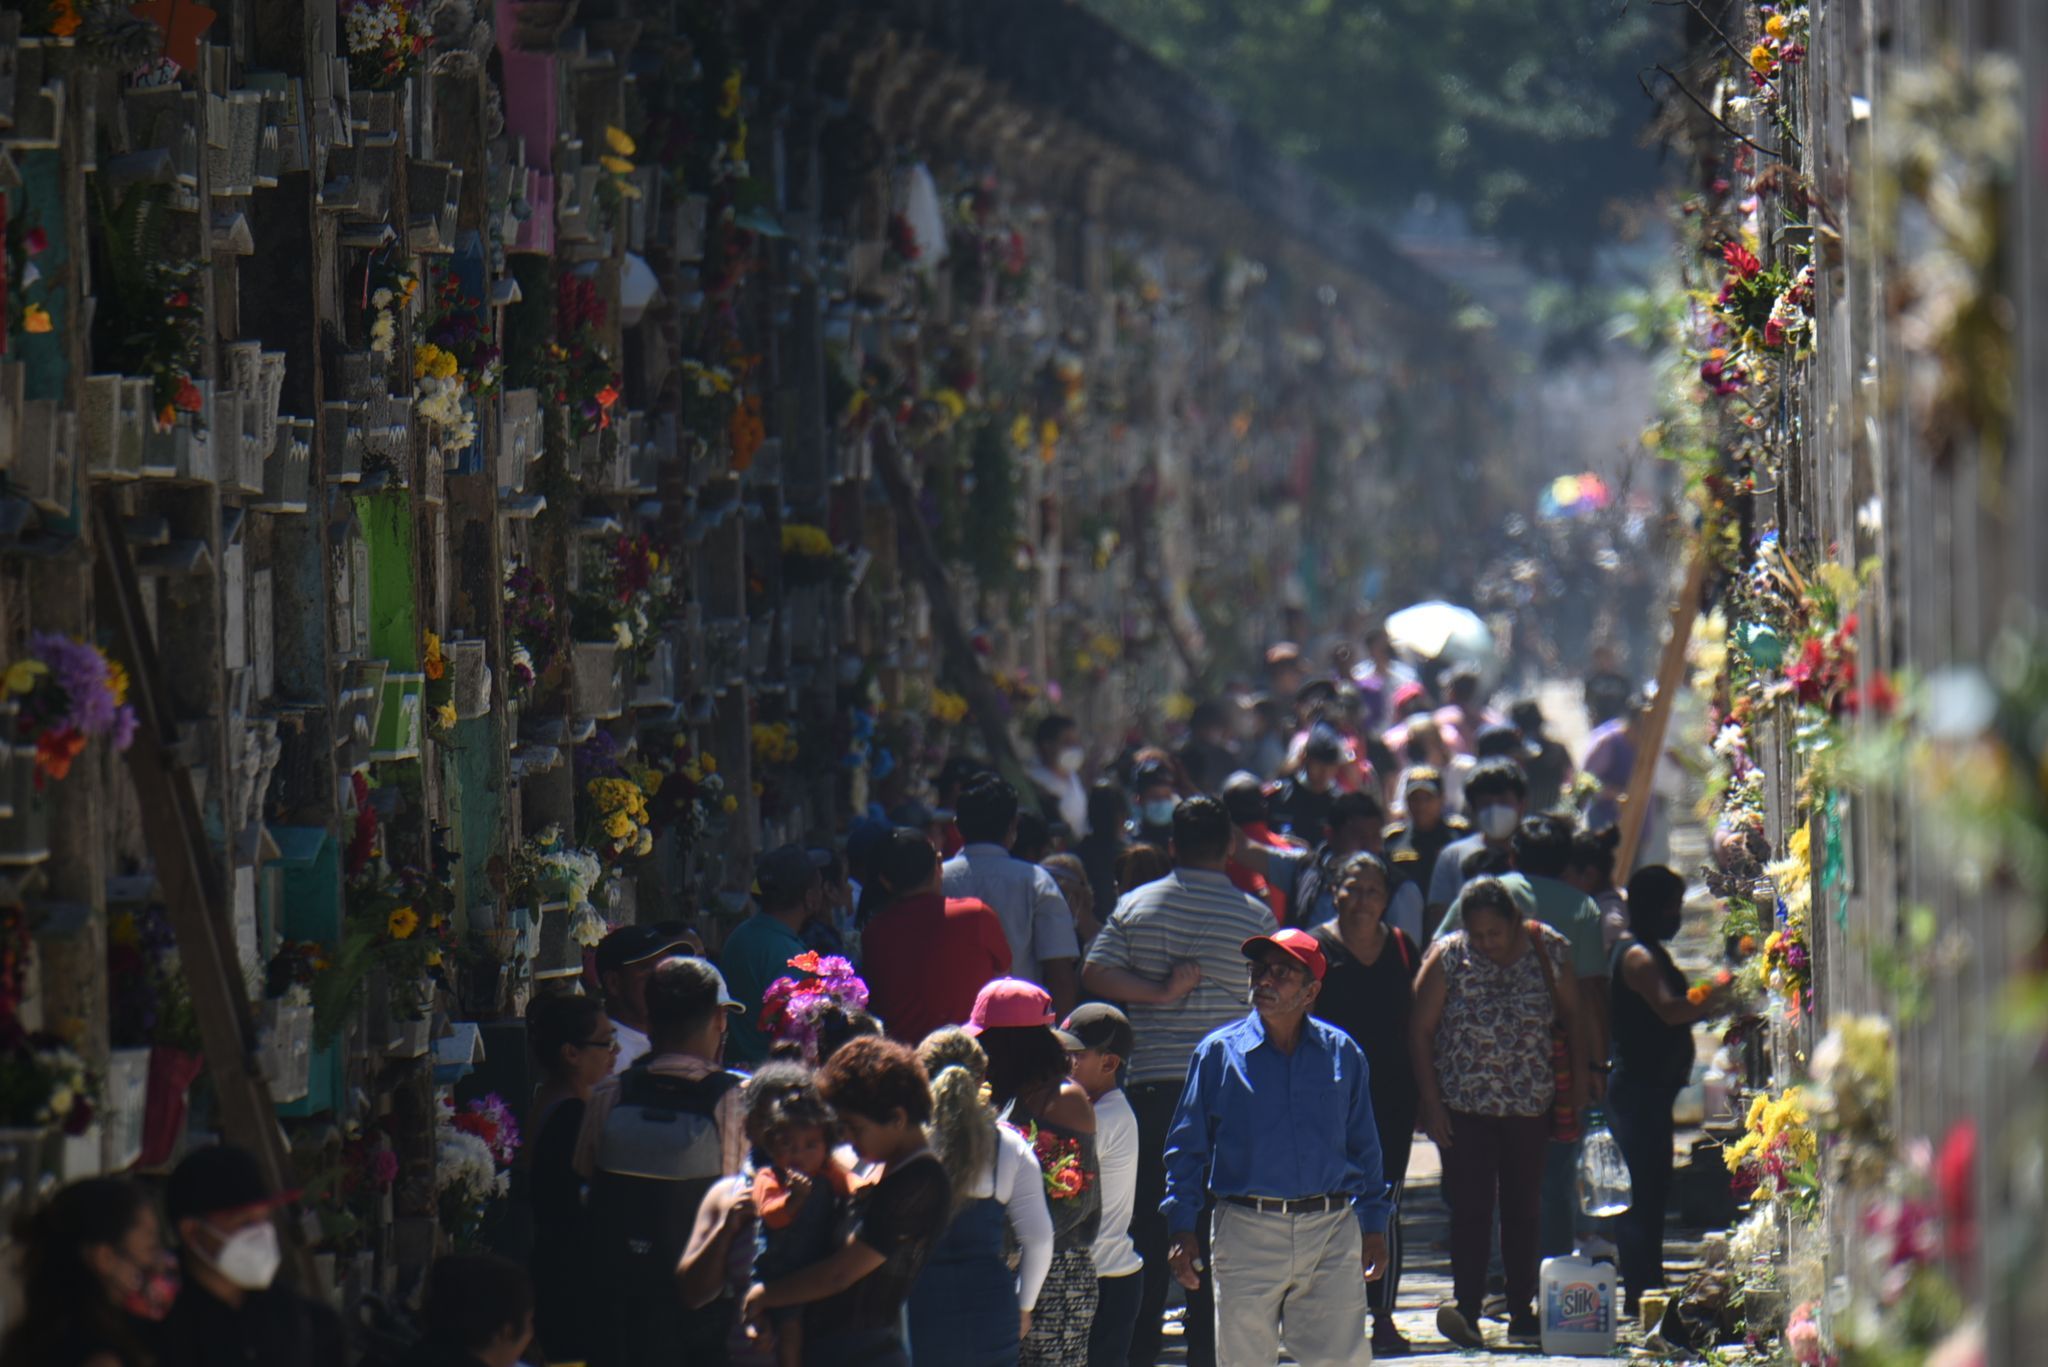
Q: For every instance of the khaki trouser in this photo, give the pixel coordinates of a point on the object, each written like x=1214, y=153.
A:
x=1288, y=1278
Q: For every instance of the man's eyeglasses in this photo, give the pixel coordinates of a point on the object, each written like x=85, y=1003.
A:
x=611, y=1044
x=1267, y=968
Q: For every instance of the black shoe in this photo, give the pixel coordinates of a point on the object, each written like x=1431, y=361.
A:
x=1387, y=1340
x=1523, y=1328
x=1460, y=1328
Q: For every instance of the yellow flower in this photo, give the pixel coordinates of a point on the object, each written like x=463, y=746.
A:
x=444, y=716
x=709, y=763
x=729, y=95
x=117, y=680
x=36, y=318
x=404, y=921
x=645, y=845
x=22, y=675
x=1762, y=59
x=618, y=166
x=619, y=140
x=730, y=805
x=1776, y=26
x=952, y=400
x=1020, y=432
x=434, y=959
x=738, y=150
x=618, y=825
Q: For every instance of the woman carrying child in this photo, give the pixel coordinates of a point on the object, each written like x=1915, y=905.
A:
x=778, y=1216
x=956, y=1308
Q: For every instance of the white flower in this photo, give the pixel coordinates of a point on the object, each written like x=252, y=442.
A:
x=624, y=634
x=381, y=299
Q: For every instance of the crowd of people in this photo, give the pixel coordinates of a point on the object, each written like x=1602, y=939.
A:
x=1066, y=1048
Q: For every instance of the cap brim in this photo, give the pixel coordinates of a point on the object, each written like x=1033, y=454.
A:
x=1073, y=1044
x=663, y=952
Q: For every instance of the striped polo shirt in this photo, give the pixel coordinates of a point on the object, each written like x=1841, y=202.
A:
x=1189, y=914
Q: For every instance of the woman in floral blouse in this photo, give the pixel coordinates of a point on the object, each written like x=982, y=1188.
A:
x=1485, y=1003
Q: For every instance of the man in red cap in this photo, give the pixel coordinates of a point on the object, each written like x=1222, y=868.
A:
x=1275, y=1127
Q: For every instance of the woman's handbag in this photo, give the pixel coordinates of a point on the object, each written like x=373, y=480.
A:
x=1564, y=1117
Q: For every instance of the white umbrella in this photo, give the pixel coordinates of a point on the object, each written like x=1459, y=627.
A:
x=1441, y=631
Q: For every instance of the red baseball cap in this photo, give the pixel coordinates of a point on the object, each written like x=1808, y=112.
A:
x=1014, y=1004
x=1297, y=945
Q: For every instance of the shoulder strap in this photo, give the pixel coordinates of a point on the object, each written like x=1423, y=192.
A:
x=1535, y=929
x=1401, y=944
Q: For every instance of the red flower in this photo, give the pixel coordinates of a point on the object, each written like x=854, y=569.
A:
x=188, y=397
x=1807, y=674
x=1955, y=1179
x=1774, y=334
x=34, y=241
x=179, y=299
x=806, y=962
x=1741, y=260
x=54, y=752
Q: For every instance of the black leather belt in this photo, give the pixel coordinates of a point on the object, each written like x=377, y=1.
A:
x=1300, y=1205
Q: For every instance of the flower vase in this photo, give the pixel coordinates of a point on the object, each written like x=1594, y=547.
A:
x=560, y=955
x=598, y=683
x=25, y=832
x=124, y=1095
x=470, y=674
x=33, y=1151
x=171, y=1075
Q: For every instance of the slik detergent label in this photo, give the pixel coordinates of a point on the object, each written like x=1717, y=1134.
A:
x=1578, y=1308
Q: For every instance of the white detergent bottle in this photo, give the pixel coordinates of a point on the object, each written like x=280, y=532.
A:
x=1578, y=1298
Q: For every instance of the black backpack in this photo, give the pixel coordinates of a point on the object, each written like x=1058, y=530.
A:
x=657, y=1156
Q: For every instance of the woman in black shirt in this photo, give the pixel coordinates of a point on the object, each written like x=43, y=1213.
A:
x=575, y=1044
x=1369, y=994
x=1653, y=1055
x=854, y=1299
x=92, y=1260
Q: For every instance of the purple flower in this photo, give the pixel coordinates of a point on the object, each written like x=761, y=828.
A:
x=124, y=728
x=80, y=672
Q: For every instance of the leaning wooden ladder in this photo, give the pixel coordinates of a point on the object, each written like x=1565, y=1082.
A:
x=190, y=879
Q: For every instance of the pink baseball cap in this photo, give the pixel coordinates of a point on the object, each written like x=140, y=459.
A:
x=1014, y=1004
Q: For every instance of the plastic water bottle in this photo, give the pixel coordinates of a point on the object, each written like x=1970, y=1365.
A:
x=1604, y=1187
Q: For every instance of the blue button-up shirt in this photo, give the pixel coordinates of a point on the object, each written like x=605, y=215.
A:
x=1253, y=1121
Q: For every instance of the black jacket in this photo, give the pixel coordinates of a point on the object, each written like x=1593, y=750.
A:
x=269, y=1328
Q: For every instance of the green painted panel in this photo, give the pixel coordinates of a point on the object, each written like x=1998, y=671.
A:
x=386, y=520
x=39, y=203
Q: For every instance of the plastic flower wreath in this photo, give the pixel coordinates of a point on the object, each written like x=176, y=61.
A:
x=792, y=1006
x=70, y=692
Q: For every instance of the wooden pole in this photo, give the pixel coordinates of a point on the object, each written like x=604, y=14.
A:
x=984, y=704
x=1651, y=726
x=193, y=896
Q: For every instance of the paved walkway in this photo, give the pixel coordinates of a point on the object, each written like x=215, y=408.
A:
x=1426, y=1279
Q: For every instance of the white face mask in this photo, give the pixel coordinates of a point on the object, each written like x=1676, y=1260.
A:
x=1497, y=820
x=1071, y=759
x=249, y=1257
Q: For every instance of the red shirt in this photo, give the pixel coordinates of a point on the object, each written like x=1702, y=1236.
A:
x=1246, y=879
x=925, y=959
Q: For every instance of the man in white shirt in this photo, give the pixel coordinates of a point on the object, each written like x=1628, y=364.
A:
x=625, y=961
x=1036, y=919
x=1056, y=770
x=1105, y=1039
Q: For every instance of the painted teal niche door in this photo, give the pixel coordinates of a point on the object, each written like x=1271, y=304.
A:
x=302, y=901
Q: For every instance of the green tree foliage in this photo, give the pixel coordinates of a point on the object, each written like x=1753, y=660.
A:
x=1525, y=112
